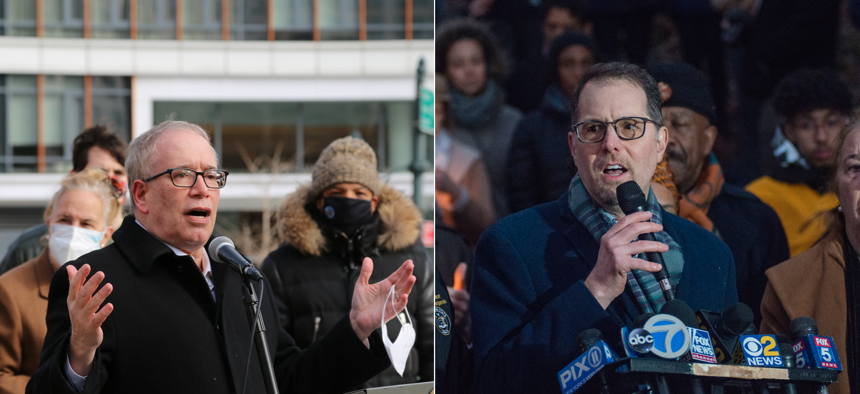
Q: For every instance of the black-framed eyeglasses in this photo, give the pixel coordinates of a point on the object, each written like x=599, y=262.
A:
x=186, y=177
x=630, y=128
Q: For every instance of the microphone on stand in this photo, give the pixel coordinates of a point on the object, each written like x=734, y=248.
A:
x=222, y=250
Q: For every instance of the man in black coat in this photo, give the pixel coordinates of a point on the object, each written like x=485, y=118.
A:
x=173, y=321
x=750, y=227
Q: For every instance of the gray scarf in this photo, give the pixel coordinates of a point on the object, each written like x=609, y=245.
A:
x=476, y=112
x=646, y=290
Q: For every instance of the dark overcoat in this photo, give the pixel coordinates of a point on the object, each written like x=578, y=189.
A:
x=167, y=335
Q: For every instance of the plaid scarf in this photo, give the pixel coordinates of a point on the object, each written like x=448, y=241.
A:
x=645, y=288
x=695, y=204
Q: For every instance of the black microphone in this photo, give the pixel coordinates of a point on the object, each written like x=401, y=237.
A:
x=632, y=200
x=726, y=327
x=222, y=250
x=685, y=314
x=789, y=360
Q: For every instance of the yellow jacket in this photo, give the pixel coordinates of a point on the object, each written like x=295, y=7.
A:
x=798, y=207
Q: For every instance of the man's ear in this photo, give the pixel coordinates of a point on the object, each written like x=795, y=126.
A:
x=789, y=132
x=138, y=195
x=571, y=143
x=373, y=204
x=662, y=141
x=106, y=237
x=710, y=138
x=319, y=203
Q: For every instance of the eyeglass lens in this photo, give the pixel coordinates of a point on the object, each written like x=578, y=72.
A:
x=627, y=128
x=214, y=179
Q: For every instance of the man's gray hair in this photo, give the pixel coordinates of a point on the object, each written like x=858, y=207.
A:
x=139, y=162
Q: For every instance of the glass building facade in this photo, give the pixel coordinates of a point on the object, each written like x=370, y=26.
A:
x=40, y=115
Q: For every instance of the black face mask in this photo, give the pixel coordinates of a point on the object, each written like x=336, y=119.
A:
x=345, y=214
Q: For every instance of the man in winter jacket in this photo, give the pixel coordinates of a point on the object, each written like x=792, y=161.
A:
x=814, y=106
x=327, y=228
x=750, y=227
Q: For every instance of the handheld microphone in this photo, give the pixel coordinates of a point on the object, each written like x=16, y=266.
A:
x=222, y=250
x=594, y=354
x=631, y=200
x=725, y=328
x=788, y=360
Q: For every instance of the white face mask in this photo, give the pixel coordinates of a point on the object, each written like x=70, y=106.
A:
x=398, y=352
x=67, y=243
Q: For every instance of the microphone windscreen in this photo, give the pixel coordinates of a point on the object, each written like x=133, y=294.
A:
x=682, y=311
x=802, y=326
x=736, y=318
x=215, y=244
x=640, y=320
x=630, y=197
x=588, y=338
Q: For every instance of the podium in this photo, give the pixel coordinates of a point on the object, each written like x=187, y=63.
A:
x=716, y=378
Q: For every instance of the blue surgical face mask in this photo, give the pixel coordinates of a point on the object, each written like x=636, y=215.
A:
x=346, y=214
x=67, y=243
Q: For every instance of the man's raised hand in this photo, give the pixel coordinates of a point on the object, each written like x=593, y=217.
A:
x=609, y=276
x=85, y=316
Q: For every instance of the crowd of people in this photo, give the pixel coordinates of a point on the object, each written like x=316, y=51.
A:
x=116, y=292
x=545, y=107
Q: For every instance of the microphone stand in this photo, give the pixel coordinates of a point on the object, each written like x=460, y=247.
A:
x=251, y=305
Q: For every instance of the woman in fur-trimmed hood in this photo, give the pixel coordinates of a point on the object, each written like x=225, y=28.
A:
x=327, y=228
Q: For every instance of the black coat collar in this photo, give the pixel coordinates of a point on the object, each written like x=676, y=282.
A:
x=141, y=248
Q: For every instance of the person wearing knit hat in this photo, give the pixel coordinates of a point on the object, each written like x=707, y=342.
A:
x=327, y=228
x=750, y=228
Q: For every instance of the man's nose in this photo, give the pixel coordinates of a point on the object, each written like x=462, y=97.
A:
x=199, y=188
x=611, y=140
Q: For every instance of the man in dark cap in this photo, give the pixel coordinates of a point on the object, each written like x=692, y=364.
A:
x=750, y=227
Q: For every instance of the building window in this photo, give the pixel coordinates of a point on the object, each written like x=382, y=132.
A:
x=18, y=18
x=63, y=108
x=386, y=19
x=338, y=20
x=63, y=18
x=249, y=19
x=201, y=19
x=63, y=119
x=293, y=19
x=109, y=18
x=156, y=19
x=422, y=19
x=247, y=135
x=112, y=104
x=19, y=132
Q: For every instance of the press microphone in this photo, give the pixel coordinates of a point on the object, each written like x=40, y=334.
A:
x=222, y=250
x=812, y=350
x=725, y=328
x=593, y=354
x=632, y=200
x=789, y=360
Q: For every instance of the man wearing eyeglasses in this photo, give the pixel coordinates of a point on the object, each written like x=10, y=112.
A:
x=151, y=313
x=748, y=226
x=547, y=273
